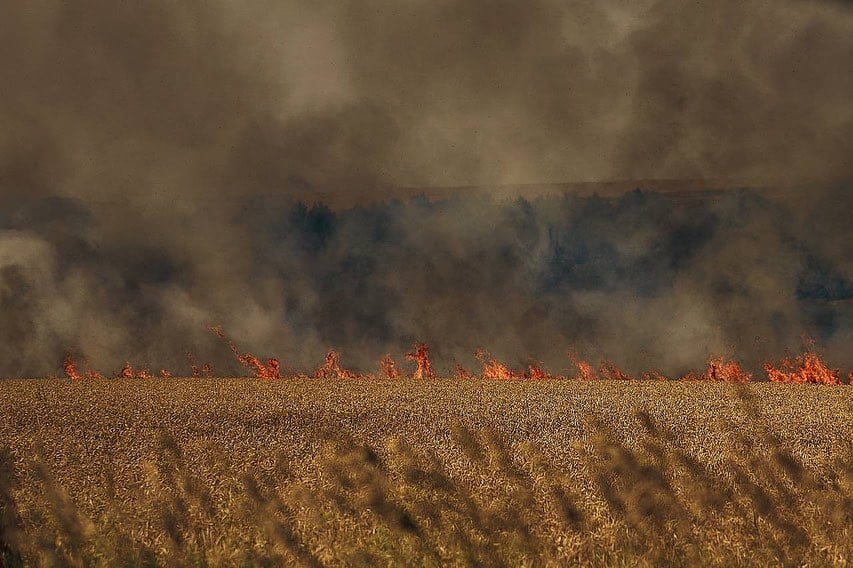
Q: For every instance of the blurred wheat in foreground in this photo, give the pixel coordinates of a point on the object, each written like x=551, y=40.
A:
x=245, y=473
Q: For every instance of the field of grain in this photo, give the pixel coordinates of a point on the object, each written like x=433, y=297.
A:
x=250, y=472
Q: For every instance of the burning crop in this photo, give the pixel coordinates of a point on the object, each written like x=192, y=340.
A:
x=536, y=372
x=331, y=368
x=198, y=371
x=808, y=367
x=128, y=372
x=494, y=369
x=726, y=371
x=70, y=367
x=805, y=368
x=611, y=372
x=420, y=356
x=72, y=371
x=463, y=374
x=388, y=368
x=585, y=370
x=269, y=370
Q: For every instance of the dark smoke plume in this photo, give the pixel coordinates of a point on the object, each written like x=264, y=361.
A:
x=154, y=157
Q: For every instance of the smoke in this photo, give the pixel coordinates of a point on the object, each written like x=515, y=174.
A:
x=152, y=157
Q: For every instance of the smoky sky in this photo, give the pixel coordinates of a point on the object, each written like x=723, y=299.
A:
x=153, y=158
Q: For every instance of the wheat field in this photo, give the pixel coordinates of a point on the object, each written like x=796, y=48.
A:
x=245, y=472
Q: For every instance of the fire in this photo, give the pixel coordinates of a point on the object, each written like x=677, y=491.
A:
x=585, y=370
x=654, y=376
x=727, y=371
x=69, y=364
x=421, y=357
x=128, y=372
x=332, y=369
x=536, y=372
x=463, y=374
x=805, y=368
x=388, y=367
x=217, y=330
x=269, y=370
x=70, y=367
x=494, y=369
x=197, y=371
x=611, y=372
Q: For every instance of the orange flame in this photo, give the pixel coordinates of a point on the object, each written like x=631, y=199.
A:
x=536, y=372
x=585, y=370
x=388, y=367
x=197, y=371
x=69, y=364
x=463, y=374
x=654, y=376
x=494, y=369
x=269, y=370
x=332, y=369
x=805, y=368
x=70, y=367
x=421, y=357
x=611, y=372
x=128, y=372
x=689, y=376
x=726, y=371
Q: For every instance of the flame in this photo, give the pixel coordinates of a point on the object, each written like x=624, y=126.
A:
x=388, y=367
x=727, y=371
x=463, y=374
x=332, y=369
x=216, y=330
x=585, y=370
x=128, y=372
x=494, y=369
x=805, y=368
x=205, y=370
x=421, y=357
x=611, y=372
x=70, y=367
x=654, y=376
x=269, y=370
x=536, y=372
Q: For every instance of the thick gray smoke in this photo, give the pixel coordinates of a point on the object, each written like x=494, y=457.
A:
x=152, y=156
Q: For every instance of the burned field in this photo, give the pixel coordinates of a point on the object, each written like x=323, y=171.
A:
x=435, y=472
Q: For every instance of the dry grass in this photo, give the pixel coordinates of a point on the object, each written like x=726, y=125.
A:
x=248, y=472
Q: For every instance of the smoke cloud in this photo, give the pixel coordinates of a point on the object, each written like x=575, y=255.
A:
x=155, y=159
